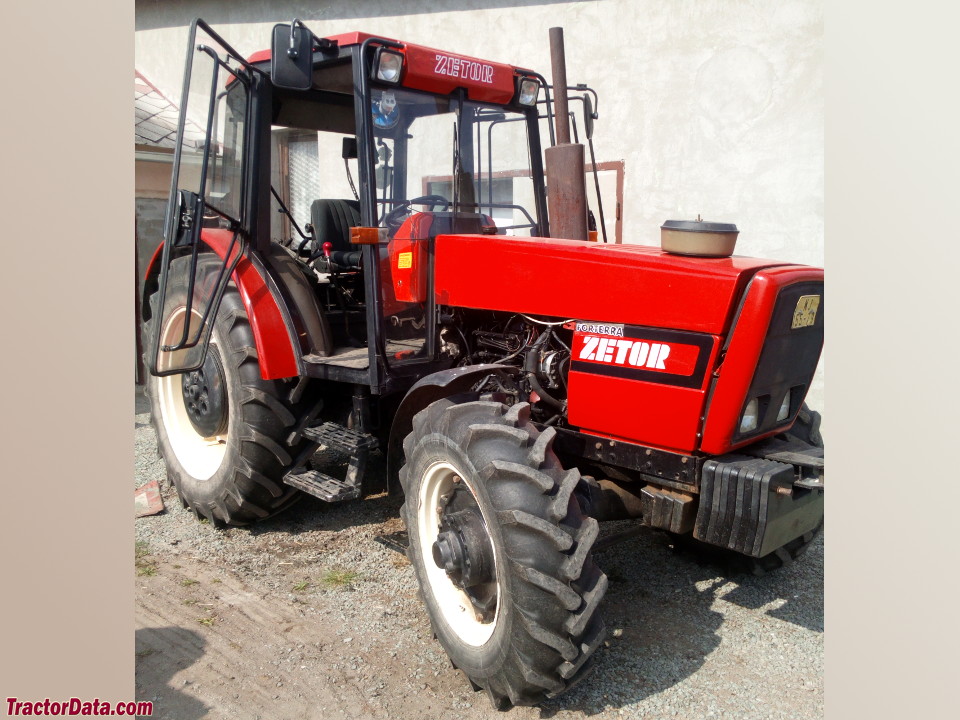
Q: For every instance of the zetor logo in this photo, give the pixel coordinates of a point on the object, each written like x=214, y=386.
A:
x=463, y=68
x=605, y=344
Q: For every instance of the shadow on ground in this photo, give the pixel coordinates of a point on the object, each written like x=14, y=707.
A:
x=162, y=652
x=659, y=610
x=662, y=620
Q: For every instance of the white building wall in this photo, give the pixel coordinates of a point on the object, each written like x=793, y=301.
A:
x=715, y=106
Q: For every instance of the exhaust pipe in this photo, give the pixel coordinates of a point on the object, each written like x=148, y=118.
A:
x=565, y=170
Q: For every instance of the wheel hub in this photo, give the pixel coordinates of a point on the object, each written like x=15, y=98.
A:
x=464, y=551
x=205, y=396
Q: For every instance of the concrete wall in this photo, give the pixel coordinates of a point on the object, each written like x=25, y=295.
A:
x=715, y=106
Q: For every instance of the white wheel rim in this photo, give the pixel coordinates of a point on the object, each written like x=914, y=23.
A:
x=454, y=604
x=199, y=456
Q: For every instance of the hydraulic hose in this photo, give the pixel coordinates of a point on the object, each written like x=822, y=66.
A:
x=530, y=367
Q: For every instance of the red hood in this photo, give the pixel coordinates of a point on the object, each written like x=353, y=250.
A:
x=634, y=284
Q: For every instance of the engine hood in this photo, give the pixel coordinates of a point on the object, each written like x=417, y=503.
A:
x=631, y=284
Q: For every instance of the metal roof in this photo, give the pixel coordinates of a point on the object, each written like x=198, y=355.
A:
x=156, y=117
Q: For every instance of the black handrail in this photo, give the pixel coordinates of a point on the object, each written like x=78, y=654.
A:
x=172, y=222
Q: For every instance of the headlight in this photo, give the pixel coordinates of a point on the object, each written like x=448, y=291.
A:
x=388, y=66
x=784, y=411
x=529, y=91
x=748, y=422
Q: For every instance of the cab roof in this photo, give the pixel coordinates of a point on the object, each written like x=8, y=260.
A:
x=439, y=71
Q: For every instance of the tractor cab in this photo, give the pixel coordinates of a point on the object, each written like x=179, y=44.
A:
x=331, y=165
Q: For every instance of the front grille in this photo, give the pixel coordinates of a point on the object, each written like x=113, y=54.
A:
x=788, y=359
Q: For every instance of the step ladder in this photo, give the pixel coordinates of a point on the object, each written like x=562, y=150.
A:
x=356, y=444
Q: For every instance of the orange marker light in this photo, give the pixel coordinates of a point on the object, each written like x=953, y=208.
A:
x=365, y=235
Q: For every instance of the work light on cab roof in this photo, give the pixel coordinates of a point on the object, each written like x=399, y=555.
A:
x=388, y=66
x=529, y=91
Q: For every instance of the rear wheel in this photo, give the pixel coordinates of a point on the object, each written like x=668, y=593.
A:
x=220, y=429
x=501, y=550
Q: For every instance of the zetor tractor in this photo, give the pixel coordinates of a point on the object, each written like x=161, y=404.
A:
x=359, y=258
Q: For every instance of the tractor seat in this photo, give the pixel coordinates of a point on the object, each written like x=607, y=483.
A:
x=332, y=220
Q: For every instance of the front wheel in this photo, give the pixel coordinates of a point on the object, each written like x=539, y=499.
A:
x=501, y=550
x=220, y=429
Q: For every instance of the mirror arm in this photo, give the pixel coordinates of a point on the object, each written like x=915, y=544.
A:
x=292, y=50
x=317, y=43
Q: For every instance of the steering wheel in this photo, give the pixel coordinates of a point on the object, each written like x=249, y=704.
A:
x=395, y=217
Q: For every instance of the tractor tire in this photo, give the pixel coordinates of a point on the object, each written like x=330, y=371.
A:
x=528, y=630
x=230, y=474
x=806, y=428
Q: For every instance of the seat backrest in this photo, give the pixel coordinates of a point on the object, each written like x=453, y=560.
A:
x=332, y=220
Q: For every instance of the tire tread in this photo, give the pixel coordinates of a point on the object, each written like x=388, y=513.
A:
x=250, y=489
x=557, y=589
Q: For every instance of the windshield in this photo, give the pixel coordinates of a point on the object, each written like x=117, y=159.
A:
x=457, y=156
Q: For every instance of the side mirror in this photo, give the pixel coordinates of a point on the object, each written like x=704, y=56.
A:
x=349, y=148
x=291, y=56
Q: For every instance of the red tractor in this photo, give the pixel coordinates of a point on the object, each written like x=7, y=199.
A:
x=358, y=256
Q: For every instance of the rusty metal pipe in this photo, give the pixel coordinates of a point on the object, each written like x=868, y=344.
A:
x=566, y=191
x=566, y=184
x=558, y=60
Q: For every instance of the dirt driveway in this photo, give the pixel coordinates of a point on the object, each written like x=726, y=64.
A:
x=308, y=615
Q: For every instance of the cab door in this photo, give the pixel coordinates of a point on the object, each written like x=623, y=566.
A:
x=206, y=194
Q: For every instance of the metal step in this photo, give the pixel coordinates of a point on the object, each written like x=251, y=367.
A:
x=356, y=444
x=322, y=486
x=338, y=437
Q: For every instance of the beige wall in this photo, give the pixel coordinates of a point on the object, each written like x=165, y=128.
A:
x=715, y=106
x=152, y=172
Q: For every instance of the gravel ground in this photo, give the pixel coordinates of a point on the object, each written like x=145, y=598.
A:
x=307, y=615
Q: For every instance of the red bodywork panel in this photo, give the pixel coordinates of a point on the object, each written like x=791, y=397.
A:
x=632, y=284
x=442, y=72
x=438, y=71
x=742, y=354
x=407, y=252
x=644, y=386
x=274, y=348
x=649, y=332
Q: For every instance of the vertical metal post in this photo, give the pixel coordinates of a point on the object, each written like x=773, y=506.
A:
x=558, y=61
x=566, y=184
x=366, y=167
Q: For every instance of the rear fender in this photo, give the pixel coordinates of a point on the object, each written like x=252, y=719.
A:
x=428, y=390
x=270, y=320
